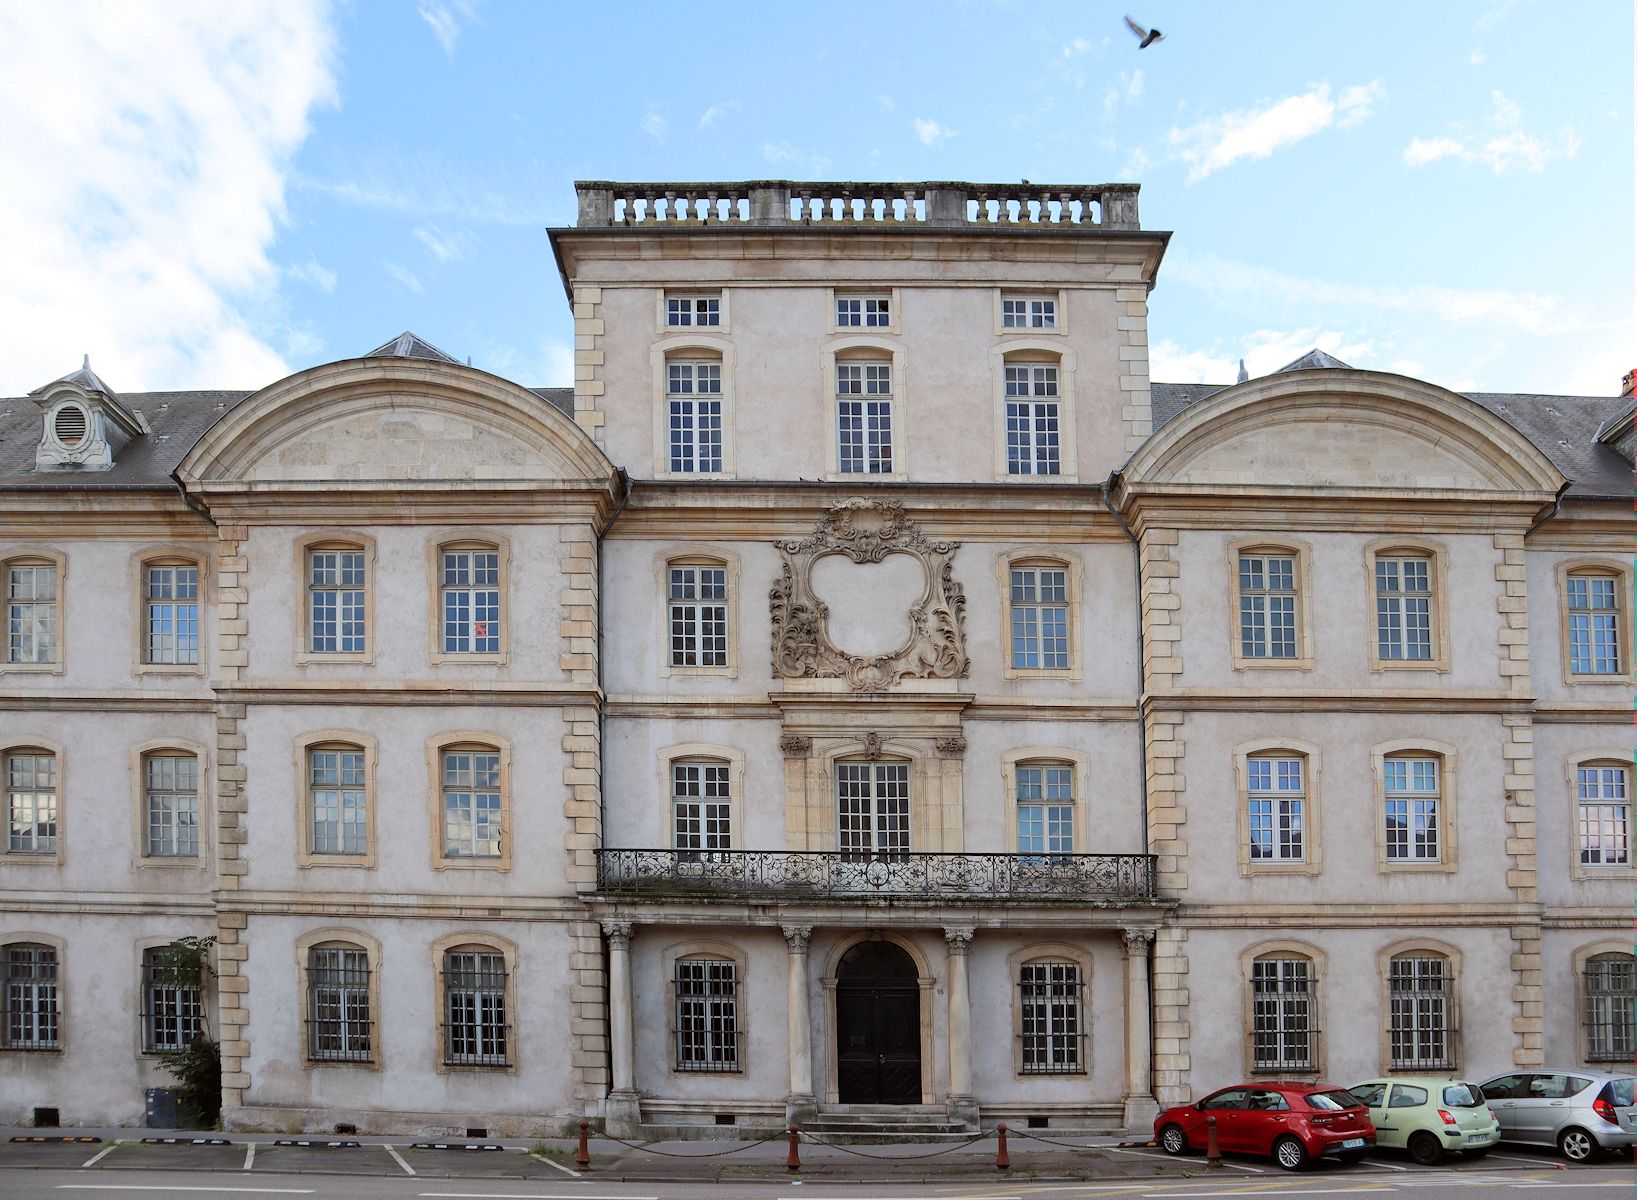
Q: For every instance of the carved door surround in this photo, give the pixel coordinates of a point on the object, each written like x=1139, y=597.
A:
x=867, y=530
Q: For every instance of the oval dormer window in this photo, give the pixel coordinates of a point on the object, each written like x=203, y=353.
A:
x=68, y=424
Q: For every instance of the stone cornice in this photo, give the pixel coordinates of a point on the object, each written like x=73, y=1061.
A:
x=1397, y=700
x=898, y=913
x=1246, y=508
x=411, y=502
x=420, y=693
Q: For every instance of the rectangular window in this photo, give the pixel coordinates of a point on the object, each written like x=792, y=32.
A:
x=707, y=1015
x=1028, y=312
x=335, y=591
x=1267, y=606
x=31, y=613
x=1403, y=609
x=1412, y=809
x=1049, y=996
x=1605, y=816
x=1282, y=1015
x=171, y=785
x=701, y=801
x=474, y=992
x=172, y=1003
x=471, y=804
x=32, y=1004
x=338, y=1016
x=693, y=391
x=863, y=312
x=471, y=601
x=171, y=614
x=1276, y=798
x=872, y=803
x=1033, y=430
x=338, y=802
x=1045, y=812
x=31, y=803
x=1594, y=625
x=693, y=311
x=1420, y=1032
x=699, y=616
x=1611, y=1008
x=864, y=418
x=1040, y=618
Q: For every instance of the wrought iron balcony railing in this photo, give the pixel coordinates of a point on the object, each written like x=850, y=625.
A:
x=829, y=875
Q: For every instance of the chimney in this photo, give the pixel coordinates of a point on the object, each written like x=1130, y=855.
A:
x=1628, y=385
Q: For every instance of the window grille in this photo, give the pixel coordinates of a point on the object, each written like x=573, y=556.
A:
x=33, y=1010
x=1611, y=1008
x=699, y=616
x=701, y=808
x=1403, y=608
x=864, y=418
x=474, y=990
x=1282, y=1011
x=1040, y=618
x=693, y=392
x=1049, y=994
x=707, y=1015
x=172, y=802
x=171, y=608
x=471, y=601
x=335, y=592
x=873, y=808
x=173, y=1013
x=1421, y=1029
x=1267, y=606
x=1277, y=801
x=691, y=311
x=1033, y=426
x=1594, y=625
x=1028, y=312
x=1604, y=816
x=339, y=1028
x=1045, y=813
x=863, y=312
x=31, y=803
x=1411, y=809
x=31, y=613
x=471, y=804
x=338, y=802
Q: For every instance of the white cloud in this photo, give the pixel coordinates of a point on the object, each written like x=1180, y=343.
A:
x=445, y=247
x=404, y=276
x=886, y=102
x=654, y=124
x=716, y=112
x=1495, y=15
x=313, y=273
x=144, y=195
x=1504, y=147
x=1208, y=146
x=1264, y=352
x=1477, y=58
x=444, y=18
x=800, y=161
x=547, y=363
x=1076, y=47
x=1122, y=89
x=931, y=133
x=427, y=184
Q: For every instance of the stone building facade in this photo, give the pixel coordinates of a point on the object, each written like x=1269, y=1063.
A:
x=864, y=690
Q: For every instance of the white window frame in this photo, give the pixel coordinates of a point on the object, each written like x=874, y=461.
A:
x=857, y=312
x=32, y=1001
x=1033, y=353
x=702, y=802
x=37, y=799
x=1594, y=620
x=1269, y=605
x=690, y=615
x=1032, y=611
x=694, y=455
x=337, y=582
x=1045, y=803
x=1057, y=296
x=174, y=616
x=486, y=1022
x=30, y=616
x=1034, y=419
x=1414, y=783
x=180, y=804
x=892, y=297
x=1278, y=782
x=878, y=829
x=339, y=996
x=692, y=310
x=1029, y=311
x=1420, y=1000
x=348, y=792
x=477, y=587
x=1383, y=560
x=483, y=792
x=1603, y=809
x=864, y=407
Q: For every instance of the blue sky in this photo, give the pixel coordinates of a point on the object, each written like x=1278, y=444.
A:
x=213, y=194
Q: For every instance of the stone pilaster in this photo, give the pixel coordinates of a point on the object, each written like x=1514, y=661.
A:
x=1162, y=662
x=1140, y=1109
x=1170, y=1008
x=588, y=994
x=963, y=1106
x=577, y=631
x=1136, y=402
x=231, y=659
x=588, y=360
x=622, y=1113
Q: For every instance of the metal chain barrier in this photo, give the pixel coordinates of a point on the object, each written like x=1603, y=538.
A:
x=1049, y=1141
x=709, y=1154
x=977, y=1137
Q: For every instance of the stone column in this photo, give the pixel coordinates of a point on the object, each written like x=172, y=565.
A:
x=621, y=1113
x=963, y=1106
x=1140, y=1108
x=802, y=1104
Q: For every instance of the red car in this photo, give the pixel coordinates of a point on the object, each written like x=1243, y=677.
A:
x=1294, y=1123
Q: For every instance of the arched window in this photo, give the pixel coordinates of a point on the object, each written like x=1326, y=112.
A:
x=1033, y=413
x=701, y=807
x=697, y=613
x=338, y=800
x=864, y=386
x=32, y=801
x=1407, y=580
x=1040, y=616
x=707, y=1014
x=1050, y=1019
x=469, y=599
x=1421, y=1011
x=170, y=611
x=33, y=1005
x=33, y=610
x=1610, y=988
x=1594, y=621
x=476, y=1007
x=173, y=1009
x=1603, y=816
x=170, y=804
x=1045, y=810
x=473, y=803
x=1283, y=1013
x=1276, y=812
x=872, y=808
x=693, y=402
x=1412, y=802
x=336, y=572
x=340, y=1018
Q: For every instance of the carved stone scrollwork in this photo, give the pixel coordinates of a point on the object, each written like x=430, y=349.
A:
x=796, y=937
x=866, y=531
x=1137, y=941
x=872, y=746
x=959, y=939
x=795, y=746
x=951, y=747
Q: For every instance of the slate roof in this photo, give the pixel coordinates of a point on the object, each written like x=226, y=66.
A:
x=409, y=345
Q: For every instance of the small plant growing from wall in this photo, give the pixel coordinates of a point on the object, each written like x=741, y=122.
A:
x=197, y=1067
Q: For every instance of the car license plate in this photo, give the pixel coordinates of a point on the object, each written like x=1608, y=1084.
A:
x=1353, y=1144
x=1477, y=1137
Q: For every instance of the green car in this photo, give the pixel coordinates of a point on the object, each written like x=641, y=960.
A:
x=1429, y=1117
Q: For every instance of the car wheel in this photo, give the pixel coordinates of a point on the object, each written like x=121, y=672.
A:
x=1479, y=1152
x=1173, y=1140
x=1576, y=1144
x=1426, y=1149
x=1290, y=1154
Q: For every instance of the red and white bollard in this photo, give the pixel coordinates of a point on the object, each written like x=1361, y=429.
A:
x=1003, y=1160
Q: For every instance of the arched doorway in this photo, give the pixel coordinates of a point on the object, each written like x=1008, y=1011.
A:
x=878, y=1026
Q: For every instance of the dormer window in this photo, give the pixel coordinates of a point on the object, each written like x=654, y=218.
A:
x=86, y=423
x=69, y=424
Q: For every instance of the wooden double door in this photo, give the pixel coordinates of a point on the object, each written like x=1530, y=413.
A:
x=878, y=1026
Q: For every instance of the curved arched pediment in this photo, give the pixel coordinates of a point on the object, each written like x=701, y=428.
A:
x=1342, y=430
x=394, y=421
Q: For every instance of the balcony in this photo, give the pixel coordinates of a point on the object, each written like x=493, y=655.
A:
x=784, y=875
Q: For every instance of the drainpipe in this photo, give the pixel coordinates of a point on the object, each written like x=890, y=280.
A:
x=1548, y=514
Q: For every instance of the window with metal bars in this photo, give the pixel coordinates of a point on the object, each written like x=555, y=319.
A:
x=864, y=418
x=872, y=804
x=173, y=1010
x=470, y=593
x=1604, y=806
x=33, y=1007
x=1421, y=1012
x=1040, y=618
x=171, y=803
x=1033, y=420
x=1277, y=800
x=1049, y=998
x=701, y=809
x=1411, y=809
x=707, y=1015
x=1611, y=1008
x=335, y=597
x=31, y=802
x=471, y=804
x=1403, y=608
x=31, y=612
x=693, y=392
x=170, y=609
x=1283, y=1028
x=698, y=615
x=339, y=1028
x=474, y=1004
x=1267, y=606
x=1594, y=624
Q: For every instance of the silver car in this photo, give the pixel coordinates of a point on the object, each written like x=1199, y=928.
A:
x=1576, y=1110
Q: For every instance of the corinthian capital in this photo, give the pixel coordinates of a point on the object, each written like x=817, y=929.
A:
x=618, y=934
x=797, y=937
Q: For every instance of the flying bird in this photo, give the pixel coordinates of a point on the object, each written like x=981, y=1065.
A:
x=1148, y=36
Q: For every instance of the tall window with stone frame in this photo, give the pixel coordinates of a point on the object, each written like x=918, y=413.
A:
x=31, y=612
x=1050, y=997
x=701, y=809
x=1404, y=607
x=1276, y=791
x=1603, y=808
x=872, y=806
x=33, y=1016
x=1034, y=444
x=173, y=1007
x=170, y=796
x=170, y=613
x=337, y=800
x=1040, y=617
x=471, y=802
x=697, y=614
x=707, y=1015
x=693, y=401
x=469, y=596
x=1411, y=809
x=1045, y=812
x=1267, y=605
x=476, y=1028
x=1594, y=623
x=336, y=607
x=31, y=801
x=1421, y=1030
x=864, y=417
x=1283, y=1012
x=340, y=1027
x=1610, y=987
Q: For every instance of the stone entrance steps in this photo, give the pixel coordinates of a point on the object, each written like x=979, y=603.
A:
x=884, y=1122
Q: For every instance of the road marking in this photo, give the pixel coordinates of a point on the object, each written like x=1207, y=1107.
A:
x=1163, y=1157
x=1386, y=1166
x=1533, y=1162
x=101, y=1154
x=399, y=1159
x=249, y=1156
x=527, y=1196
x=174, y=1187
x=1351, y=1191
x=551, y=1163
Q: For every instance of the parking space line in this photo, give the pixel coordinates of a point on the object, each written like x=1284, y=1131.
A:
x=249, y=1156
x=1386, y=1166
x=558, y=1165
x=101, y=1154
x=175, y=1187
x=1169, y=1158
x=1534, y=1162
x=399, y=1159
